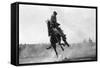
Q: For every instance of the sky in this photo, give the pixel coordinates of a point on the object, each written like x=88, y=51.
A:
x=77, y=23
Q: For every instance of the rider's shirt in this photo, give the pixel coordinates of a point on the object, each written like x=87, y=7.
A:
x=54, y=21
x=54, y=25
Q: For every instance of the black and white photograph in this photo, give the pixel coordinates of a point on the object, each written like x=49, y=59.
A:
x=56, y=34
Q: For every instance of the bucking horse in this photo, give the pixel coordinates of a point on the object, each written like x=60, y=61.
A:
x=56, y=35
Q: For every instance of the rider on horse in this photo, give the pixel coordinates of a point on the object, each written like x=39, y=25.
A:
x=55, y=26
x=55, y=33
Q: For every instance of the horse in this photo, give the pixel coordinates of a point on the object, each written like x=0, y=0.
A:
x=55, y=37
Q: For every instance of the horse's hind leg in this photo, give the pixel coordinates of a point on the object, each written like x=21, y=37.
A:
x=54, y=46
x=56, y=52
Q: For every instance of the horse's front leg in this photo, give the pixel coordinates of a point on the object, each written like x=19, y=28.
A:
x=61, y=46
x=59, y=43
x=64, y=39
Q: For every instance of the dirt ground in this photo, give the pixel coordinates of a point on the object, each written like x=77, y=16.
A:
x=37, y=53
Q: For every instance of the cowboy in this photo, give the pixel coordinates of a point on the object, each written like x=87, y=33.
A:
x=53, y=20
x=54, y=26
